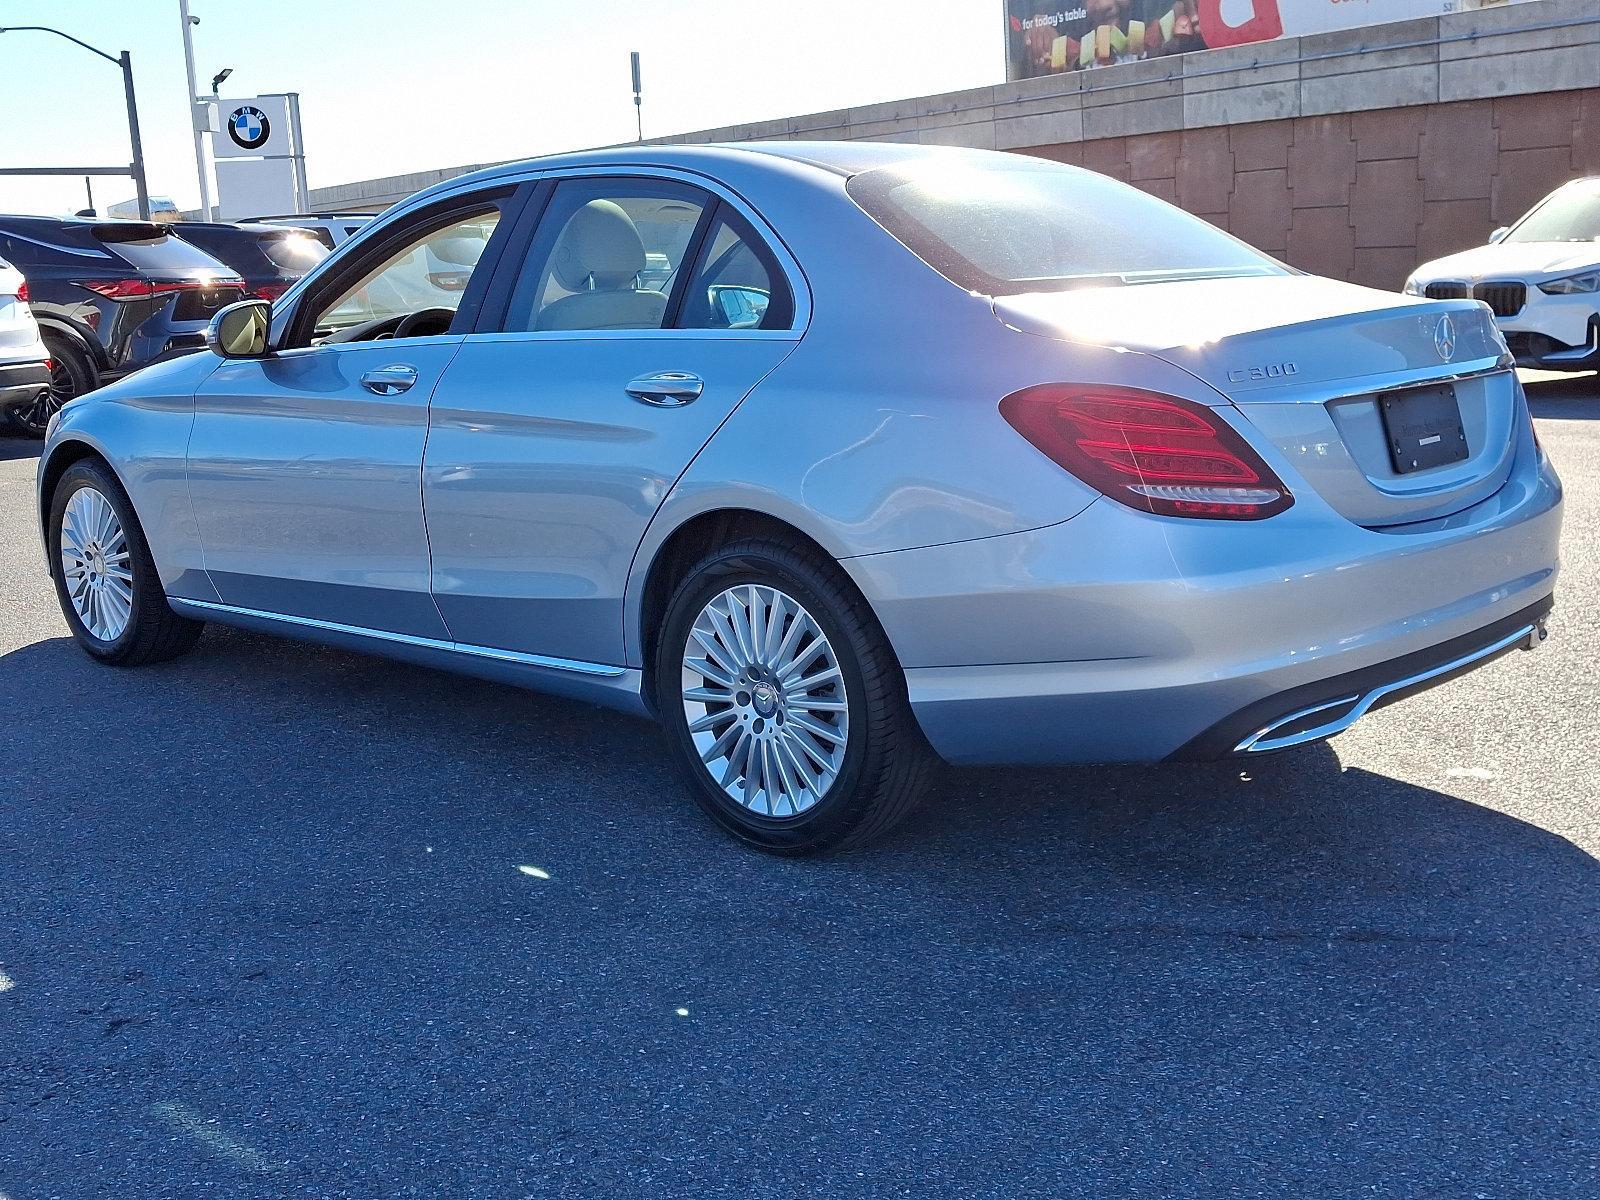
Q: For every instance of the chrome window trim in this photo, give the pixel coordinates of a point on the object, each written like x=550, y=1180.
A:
x=575, y=666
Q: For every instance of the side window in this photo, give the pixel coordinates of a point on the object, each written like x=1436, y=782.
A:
x=736, y=284
x=607, y=255
x=428, y=274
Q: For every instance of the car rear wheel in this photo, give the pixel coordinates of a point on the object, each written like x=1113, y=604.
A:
x=70, y=376
x=105, y=578
x=784, y=703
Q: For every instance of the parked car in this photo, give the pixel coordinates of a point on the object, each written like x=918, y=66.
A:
x=1540, y=276
x=918, y=450
x=267, y=257
x=332, y=229
x=112, y=296
x=24, y=362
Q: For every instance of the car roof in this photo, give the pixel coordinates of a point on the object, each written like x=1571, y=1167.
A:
x=237, y=227
x=836, y=158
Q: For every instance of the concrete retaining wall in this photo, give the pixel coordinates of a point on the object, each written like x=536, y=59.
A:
x=1352, y=154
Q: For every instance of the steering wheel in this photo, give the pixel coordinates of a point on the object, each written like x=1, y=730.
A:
x=415, y=324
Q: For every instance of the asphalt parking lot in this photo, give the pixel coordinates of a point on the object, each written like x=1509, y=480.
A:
x=284, y=921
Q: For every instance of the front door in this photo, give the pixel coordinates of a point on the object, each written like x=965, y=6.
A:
x=305, y=466
x=644, y=311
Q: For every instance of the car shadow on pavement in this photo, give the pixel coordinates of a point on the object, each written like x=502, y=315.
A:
x=14, y=445
x=1564, y=397
x=291, y=919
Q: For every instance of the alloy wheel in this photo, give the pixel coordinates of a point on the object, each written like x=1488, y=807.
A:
x=96, y=564
x=765, y=700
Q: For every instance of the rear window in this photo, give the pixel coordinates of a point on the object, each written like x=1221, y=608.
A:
x=162, y=252
x=1569, y=214
x=1014, y=225
x=293, y=253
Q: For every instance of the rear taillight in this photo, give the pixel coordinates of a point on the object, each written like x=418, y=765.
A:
x=22, y=291
x=1157, y=453
x=140, y=289
x=271, y=291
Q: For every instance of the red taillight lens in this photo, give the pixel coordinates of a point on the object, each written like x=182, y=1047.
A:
x=140, y=289
x=1158, y=453
x=271, y=291
x=22, y=291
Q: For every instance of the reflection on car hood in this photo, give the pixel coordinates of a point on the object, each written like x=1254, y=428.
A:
x=1517, y=260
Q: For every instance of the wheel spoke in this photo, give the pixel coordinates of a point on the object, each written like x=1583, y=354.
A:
x=715, y=650
x=719, y=748
x=817, y=729
x=711, y=720
x=728, y=633
x=710, y=672
x=800, y=687
x=809, y=748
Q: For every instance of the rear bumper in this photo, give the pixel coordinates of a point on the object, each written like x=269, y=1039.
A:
x=1120, y=637
x=1317, y=711
x=21, y=383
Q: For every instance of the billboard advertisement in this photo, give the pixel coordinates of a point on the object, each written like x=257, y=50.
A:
x=1045, y=38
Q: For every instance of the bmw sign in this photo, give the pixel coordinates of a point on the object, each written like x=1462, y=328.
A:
x=249, y=128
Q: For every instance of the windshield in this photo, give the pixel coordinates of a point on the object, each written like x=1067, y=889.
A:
x=1015, y=224
x=1569, y=214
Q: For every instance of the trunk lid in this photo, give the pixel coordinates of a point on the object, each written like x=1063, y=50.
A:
x=1306, y=361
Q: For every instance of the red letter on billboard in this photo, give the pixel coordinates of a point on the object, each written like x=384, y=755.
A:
x=1263, y=25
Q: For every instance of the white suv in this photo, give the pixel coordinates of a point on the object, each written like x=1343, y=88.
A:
x=24, y=362
x=1541, y=277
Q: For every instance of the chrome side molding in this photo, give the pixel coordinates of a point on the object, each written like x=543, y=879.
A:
x=1356, y=706
x=605, y=670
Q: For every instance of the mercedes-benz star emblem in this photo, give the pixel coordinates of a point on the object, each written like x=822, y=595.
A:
x=249, y=127
x=1444, y=338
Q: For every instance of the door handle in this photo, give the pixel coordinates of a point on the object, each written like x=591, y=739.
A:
x=666, y=389
x=390, y=380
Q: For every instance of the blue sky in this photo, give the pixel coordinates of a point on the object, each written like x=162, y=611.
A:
x=398, y=85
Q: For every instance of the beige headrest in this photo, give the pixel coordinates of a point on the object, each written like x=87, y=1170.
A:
x=599, y=244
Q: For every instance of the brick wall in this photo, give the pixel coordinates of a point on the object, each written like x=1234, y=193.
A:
x=1364, y=196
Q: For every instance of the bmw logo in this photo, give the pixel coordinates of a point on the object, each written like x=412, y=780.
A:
x=249, y=127
x=1444, y=338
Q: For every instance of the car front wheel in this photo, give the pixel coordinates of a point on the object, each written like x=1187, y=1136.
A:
x=784, y=703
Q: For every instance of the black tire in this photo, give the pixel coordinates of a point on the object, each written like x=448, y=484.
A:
x=886, y=761
x=153, y=632
x=70, y=376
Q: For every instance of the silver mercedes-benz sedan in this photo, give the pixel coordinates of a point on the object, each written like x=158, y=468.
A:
x=831, y=457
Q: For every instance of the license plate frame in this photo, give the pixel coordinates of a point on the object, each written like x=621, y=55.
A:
x=1423, y=429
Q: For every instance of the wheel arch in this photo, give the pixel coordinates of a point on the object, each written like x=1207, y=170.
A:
x=58, y=462
x=94, y=357
x=672, y=552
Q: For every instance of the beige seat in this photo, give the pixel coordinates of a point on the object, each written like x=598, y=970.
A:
x=598, y=258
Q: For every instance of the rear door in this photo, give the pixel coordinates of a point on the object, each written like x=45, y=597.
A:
x=642, y=311
x=305, y=466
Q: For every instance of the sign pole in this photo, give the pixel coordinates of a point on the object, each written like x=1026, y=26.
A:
x=208, y=213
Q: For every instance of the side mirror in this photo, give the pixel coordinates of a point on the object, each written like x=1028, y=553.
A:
x=1498, y=234
x=240, y=330
x=739, y=307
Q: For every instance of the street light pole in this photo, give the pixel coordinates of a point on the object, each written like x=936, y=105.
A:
x=141, y=188
x=125, y=62
x=194, y=102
